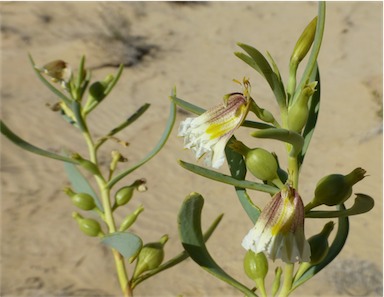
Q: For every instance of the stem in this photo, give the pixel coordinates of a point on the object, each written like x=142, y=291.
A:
x=293, y=171
x=108, y=216
x=288, y=276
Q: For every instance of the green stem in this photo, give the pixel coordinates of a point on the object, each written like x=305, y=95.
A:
x=293, y=172
x=108, y=216
x=288, y=276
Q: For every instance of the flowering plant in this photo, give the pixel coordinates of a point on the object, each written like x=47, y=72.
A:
x=278, y=231
x=95, y=212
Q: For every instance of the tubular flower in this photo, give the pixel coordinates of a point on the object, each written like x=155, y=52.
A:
x=208, y=133
x=279, y=231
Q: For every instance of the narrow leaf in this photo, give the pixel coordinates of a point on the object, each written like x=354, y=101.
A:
x=126, y=243
x=187, y=106
x=80, y=183
x=29, y=147
x=334, y=249
x=261, y=65
x=76, y=108
x=291, y=137
x=154, y=151
x=363, y=203
x=124, y=124
x=191, y=236
x=114, y=81
x=228, y=179
x=238, y=171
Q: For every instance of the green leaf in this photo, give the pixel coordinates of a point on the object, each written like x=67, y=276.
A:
x=191, y=236
x=154, y=151
x=80, y=183
x=187, y=106
x=291, y=137
x=126, y=243
x=124, y=124
x=363, y=203
x=76, y=108
x=334, y=249
x=238, y=171
x=29, y=147
x=314, y=107
x=112, y=84
x=49, y=85
x=177, y=259
x=257, y=61
x=227, y=179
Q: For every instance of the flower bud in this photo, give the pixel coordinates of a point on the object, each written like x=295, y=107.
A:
x=86, y=164
x=83, y=201
x=124, y=195
x=298, y=113
x=130, y=219
x=150, y=256
x=255, y=265
x=261, y=163
x=90, y=227
x=319, y=244
x=335, y=189
x=304, y=43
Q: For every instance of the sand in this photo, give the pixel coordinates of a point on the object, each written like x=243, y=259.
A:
x=190, y=46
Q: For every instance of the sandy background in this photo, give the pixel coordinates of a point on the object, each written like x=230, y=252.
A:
x=189, y=45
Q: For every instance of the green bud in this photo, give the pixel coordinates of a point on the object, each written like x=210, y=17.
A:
x=90, y=227
x=150, y=256
x=319, y=244
x=276, y=281
x=298, y=112
x=261, y=163
x=83, y=201
x=335, y=189
x=124, y=195
x=130, y=219
x=304, y=43
x=255, y=265
x=86, y=164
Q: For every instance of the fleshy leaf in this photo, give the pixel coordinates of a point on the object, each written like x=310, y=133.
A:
x=29, y=147
x=334, y=249
x=193, y=242
x=80, y=183
x=187, y=106
x=238, y=171
x=257, y=61
x=227, y=179
x=288, y=136
x=128, y=244
x=363, y=203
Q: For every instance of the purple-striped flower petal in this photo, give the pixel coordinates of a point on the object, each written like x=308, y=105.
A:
x=279, y=231
x=208, y=133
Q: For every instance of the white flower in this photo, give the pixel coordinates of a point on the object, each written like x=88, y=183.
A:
x=279, y=231
x=208, y=133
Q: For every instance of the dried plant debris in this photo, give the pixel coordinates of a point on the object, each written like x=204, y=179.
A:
x=354, y=277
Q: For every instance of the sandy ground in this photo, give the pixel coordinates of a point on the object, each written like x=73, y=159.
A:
x=189, y=45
